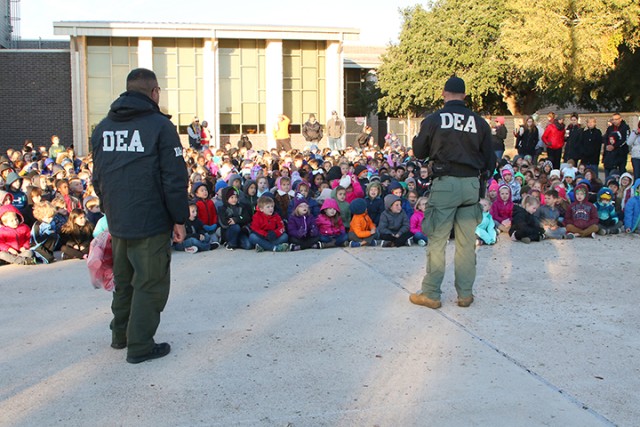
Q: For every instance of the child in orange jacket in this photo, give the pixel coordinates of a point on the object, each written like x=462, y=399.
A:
x=363, y=231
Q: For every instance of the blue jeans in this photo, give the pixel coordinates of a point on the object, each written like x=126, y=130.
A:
x=256, y=239
x=335, y=143
x=236, y=238
x=420, y=236
x=202, y=245
x=339, y=239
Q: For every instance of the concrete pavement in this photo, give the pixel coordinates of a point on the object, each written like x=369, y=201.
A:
x=328, y=338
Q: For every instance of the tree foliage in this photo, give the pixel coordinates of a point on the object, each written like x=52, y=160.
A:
x=513, y=54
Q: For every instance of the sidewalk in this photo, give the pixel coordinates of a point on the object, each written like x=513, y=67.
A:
x=329, y=338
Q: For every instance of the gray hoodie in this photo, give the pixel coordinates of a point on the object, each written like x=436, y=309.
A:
x=392, y=223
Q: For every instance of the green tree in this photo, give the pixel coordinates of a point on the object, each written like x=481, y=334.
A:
x=516, y=54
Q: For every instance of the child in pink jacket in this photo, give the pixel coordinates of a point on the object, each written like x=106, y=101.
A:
x=415, y=223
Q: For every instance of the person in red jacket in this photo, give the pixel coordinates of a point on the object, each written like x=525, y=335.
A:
x=553, y=138
x=207, y=212
x=14, y=237
x=267, y=228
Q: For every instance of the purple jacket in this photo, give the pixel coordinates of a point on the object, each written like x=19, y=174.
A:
x=302, y=227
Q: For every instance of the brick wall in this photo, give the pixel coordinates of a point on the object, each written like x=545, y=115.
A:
x=35, y=98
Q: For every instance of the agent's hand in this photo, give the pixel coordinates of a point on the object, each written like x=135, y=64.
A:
x=179, y=233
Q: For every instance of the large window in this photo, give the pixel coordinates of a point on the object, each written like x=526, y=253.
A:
x=178, y=64
x=109, y=61
x=304, y=64
x=242, y=80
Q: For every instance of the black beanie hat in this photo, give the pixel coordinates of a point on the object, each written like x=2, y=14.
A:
x=334, y=173
x=455, y=85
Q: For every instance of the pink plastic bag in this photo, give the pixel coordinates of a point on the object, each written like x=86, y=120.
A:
x=100, y=262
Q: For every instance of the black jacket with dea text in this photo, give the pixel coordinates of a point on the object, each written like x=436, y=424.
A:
x=139, y=173
x=458, y=136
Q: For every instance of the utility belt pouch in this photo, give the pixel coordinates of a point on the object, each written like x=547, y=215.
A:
x=439, y=168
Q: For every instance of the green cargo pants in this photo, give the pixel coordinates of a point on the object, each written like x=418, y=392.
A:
x=142, y=277
x=446, y=210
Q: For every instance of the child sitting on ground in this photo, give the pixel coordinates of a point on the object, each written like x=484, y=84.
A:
x=44, y=236
x=502, y=209
x=608, y=218
x=302, y=228
x=375, y=204
x=196, y=238
x=339, y=194
x=394, y=224
x=396, y=188
x=330, y=226
x=415, y=223
x=267, y=228
x=486, y=230
x=524, y=225
x=283, y=196
x=14, y=237
x=206, y=208
x=549, y=215
x=232, y=219
x=362, y=229
x=76, y=236
x=582, y=216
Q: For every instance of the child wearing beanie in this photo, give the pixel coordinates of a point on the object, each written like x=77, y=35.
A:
x=363, y=230
x=394, y=225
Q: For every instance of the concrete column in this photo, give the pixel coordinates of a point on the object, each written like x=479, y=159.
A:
x=81, y=133
x=334, y=81
x=145, y=53
x=274, y=89
x=210, y=78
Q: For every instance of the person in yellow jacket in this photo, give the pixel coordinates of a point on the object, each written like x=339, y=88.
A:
x=281, y=133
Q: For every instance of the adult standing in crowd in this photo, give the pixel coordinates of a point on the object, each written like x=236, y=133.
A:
x=459, y=147
x=141, y=180
x=572, y=139
x=195, y=133
x=590, y=144
x=312, y=130
x=553, y=138
x=498, y=135
x=281, y=133
x=527, y=138
x=616, y=149
x=335, y=130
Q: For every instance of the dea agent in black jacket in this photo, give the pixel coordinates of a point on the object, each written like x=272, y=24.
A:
x=141, y=179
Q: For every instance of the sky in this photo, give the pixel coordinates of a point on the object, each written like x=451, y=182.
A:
x=378, y=20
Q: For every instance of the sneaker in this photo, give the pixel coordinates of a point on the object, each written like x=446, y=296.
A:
x=419, y=299
x=214, y=245
x=293, y=247
x=465, y=302
x=229, y=248
x=602, y=232
x=260, y=248
x=191, y=249
x=569, y=236
x=422, y=243
x=374, y=242
x=410, y=241
x=353, y=244
x=593, y=235
x=386, y=244
x=318, y=245
x=283, y=247
x=525, y=240
x=158, y=351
